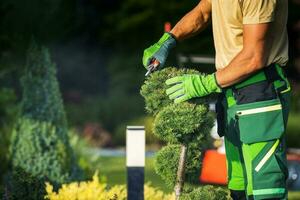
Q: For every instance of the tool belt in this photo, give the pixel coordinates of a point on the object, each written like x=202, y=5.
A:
x=263, y=85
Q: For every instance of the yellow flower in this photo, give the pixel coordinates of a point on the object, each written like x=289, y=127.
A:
x=94, y=190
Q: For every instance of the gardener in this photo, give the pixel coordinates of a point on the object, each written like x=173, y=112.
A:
x=251, y=51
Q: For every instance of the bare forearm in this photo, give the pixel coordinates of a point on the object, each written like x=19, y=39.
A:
x=251, y=58
x=242, y=66
x=193, y=22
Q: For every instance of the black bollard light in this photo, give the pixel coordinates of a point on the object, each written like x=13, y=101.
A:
x=135, y=162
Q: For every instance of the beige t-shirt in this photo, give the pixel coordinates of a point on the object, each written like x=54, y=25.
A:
x=228, y=17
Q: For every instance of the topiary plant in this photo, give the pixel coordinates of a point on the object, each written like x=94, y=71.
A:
x=154, y=89
x=207, y=192
x=170, y=154
x=185, y=127
x=40, y=150
x=183, y=123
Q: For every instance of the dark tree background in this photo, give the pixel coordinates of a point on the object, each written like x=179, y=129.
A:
x=98, y=46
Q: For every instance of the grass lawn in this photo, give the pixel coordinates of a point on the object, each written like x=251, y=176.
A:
x=294, y=195
x=114, y=168
x=293, y=130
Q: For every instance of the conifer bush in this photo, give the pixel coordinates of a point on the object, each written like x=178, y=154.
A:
x=170, y=154
x=183, y=126
x=207, y=192
x=40, y=149
x=182, y=123
x=154, y=89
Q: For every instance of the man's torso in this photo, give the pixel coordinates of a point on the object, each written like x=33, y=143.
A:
x=228, y=18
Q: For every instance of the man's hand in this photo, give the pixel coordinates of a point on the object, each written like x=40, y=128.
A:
x=159, y=51
x=191, y=85
x=191, y=24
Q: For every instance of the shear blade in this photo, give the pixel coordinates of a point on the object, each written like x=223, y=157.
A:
x=150, y=69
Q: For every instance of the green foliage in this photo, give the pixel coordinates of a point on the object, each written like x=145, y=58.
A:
x=97, y=190
x=41, y=96
x=40, y=149
x=166, y=164
x=154, y=88
x=8, y=112
x=187, y=123
x=292, y=131
x=206, y=192
x=184, y=123
x=87, y=160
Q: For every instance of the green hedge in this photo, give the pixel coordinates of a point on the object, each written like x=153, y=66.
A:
x=40, y=149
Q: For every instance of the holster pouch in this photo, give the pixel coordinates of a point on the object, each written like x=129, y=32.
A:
x=221, y=114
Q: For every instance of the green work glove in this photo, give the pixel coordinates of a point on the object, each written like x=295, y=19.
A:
x=191, y=85
x=159, y=51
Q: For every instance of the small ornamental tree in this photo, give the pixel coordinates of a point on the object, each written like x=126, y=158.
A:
x=185, y=127
x=40, y=150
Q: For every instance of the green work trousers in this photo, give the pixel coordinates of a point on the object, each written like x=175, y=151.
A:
x=255, y=143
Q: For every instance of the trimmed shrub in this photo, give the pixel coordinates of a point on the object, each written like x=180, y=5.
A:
x=170, y=154
x=183, y=125
x=154, y=88
x=207, y=192
x=40, y=149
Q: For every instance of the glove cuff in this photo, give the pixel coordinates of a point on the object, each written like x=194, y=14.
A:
x=168, y=40
x=218, y=87
x=173, y=36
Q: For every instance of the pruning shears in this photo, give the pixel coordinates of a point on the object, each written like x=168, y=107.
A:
x=152, y=67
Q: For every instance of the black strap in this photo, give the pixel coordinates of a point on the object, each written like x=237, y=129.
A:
x=272, y=73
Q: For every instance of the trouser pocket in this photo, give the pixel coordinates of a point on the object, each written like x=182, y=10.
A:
x=261, y=127
x=260, y=121
x=268, y=170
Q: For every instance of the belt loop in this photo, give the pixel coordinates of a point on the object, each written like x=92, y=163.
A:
x=280, y=72
x=271, y=73
x=282, y=85
x=229, y=97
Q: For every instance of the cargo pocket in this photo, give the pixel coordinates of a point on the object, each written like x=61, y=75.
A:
x=269, y=171
x=260, y=121
x=261, y=127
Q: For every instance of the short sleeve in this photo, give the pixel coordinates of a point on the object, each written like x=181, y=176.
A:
x=258, y=11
